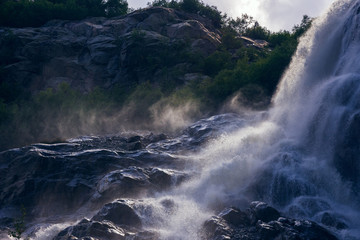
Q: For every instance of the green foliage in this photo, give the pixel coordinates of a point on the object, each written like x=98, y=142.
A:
x=240, y=24
x=257, y=32
x=278, y=38
x=255, y=73
x=33, y=13
x=195, y=7
x=230, y=39
x=305, y=24
x=116, y=8
x=140, y=101
x=267, y=71
x=215, y=62
x=19, y=225
x=234, y=68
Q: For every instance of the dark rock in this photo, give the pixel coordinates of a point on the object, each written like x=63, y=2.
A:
x=134, y=139
x=101, y=52
x=104, y=230
x=160, y=178
x=268, y=231
x=311, y=230
x=119, y=212
x=262, y=211
x=235, y=217
x=131, y=181
x=92, y=230
x=216, y=228
x=53, y=179
x=331, y=221
x=133, y=146
x=229, y=224
x=347, y=151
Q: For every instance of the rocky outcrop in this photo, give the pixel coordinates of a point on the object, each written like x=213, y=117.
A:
x=116, y=220
x=103, y=52
x=117, y=186
x=260, y=221
x=60, y=178
x=120, y=220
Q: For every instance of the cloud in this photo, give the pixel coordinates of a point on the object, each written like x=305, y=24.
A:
x=284, y=14
x=274, y=14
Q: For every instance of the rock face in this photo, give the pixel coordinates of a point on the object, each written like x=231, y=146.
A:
x=103, y=52
x=261, y=221
x=115, y=187
x=60, y=178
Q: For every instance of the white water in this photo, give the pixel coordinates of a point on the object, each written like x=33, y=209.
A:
x=288, y=159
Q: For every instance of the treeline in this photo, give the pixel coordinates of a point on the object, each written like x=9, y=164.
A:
x=34, y=13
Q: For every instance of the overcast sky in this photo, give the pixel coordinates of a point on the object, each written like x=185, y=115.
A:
x=274, y=14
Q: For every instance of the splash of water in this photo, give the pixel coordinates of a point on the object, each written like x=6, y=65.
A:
x=303, y=157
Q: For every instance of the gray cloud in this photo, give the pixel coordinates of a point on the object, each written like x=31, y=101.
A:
x=274, y=14
x=283, y=14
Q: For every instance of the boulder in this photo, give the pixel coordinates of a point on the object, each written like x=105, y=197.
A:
x=86, y=229
x=119, y=212
x=235, y=217
x=263, y=212
x=232, y=223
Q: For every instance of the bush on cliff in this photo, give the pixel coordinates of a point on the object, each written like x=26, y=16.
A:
x=233, y=67
x=193, y=6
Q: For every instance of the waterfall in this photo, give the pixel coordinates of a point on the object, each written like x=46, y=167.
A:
x=303, y=157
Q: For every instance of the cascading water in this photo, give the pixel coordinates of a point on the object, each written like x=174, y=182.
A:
x=304, y=157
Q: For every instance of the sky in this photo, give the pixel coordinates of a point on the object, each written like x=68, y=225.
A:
x=273, y=14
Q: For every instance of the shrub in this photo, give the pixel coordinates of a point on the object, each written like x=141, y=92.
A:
x=216, y=62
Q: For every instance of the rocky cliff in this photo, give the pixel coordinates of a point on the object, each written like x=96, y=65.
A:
x=144, y=45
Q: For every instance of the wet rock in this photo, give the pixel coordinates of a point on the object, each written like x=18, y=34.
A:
x=60, y=178
x=216, y=228
x=262, y=211
x=347, y=151
x=133, y=146
x=331, y=221
x=92, y=230
x=119, y=212
x=129, y=182
x=115, y=221
x=235, y=217
x=233, y=223
x=103, y=230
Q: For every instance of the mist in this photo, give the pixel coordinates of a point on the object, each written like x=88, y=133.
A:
x=58, y=126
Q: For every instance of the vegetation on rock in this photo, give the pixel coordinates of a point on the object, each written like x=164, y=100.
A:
x=235, y=69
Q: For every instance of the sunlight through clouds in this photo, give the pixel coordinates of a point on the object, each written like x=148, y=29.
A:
x=274, y=14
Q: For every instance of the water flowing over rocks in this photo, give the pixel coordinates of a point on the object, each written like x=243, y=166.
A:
x=102, y=52
x=289, y=173
x=106, y=182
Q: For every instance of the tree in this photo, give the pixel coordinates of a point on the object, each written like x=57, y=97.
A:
x=305, y=24
x=240, y=24
x=192, y=6
x=116, y=8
